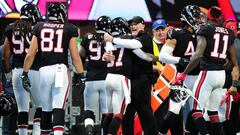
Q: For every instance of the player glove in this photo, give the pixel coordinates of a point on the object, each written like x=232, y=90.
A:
x=8, y=78
x=77, y=79
x=183, y=62
x=25, y=81
x=179, y=79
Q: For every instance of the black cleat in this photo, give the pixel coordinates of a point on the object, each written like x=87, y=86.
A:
x=89, y=130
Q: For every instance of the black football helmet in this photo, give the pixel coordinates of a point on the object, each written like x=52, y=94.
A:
x=30, y=12
x=7, y=104
x=57, y=12
x=179, y=93
x=191, y=15
x=119, y=26
x=102, y=25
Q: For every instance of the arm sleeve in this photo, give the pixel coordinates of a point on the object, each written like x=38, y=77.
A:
x=128, y=43
x=142, y=55
x=166, y=55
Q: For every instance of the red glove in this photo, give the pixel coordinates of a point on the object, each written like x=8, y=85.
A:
x=236, y=97
x=227, y=94
x=179, y=79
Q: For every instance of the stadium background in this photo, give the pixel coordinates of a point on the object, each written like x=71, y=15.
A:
x=83, y=13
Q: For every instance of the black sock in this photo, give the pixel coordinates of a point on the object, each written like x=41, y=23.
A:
x=216, y=128
x=38, y=113
x=200, y=122
x=106, y=120
x=128, y=120
x=190, y=125
x=228, y=128
x=114, y=126
x=46, y=121
x=23, y=118
x=169, y=120
x=58, y=117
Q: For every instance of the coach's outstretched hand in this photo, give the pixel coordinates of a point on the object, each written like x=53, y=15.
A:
x=25, y=81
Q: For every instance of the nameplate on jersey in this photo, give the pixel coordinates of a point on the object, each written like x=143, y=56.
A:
x=59, y=75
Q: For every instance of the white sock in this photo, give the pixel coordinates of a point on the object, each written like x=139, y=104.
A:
x=36, y=128
x=22, y=131
x=58, y=132
x=88, y=121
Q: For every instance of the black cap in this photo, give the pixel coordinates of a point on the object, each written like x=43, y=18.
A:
x=136, y=19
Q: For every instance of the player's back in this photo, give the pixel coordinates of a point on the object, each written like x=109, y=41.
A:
x=219, y=40
x=123, y=62
x=94, y=47
x=19, y=44
x=185, y=46
x=53, y=41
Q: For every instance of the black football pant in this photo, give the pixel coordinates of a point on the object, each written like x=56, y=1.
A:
x=140, y=103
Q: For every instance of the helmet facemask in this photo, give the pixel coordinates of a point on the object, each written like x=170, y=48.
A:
x=191, y=15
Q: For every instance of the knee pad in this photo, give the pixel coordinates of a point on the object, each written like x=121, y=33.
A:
x=23, y=118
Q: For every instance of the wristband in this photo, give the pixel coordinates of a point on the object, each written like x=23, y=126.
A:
x=235, y=83
x=25, y=73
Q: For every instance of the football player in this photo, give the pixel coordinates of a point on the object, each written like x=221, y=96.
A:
x=214, y=46
x=53, y=39
x=178, y=49
x=17, y=44
x=215, y=14
x=93, y=47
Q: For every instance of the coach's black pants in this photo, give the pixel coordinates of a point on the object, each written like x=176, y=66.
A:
x=140, y=103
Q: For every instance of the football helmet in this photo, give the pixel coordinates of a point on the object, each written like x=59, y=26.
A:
x=179, y=93
x=102, y=25
x=215, y=14
x=7, y=105
x=30, y=12
x=119, y=26
x=191, y=15
x=57, y=12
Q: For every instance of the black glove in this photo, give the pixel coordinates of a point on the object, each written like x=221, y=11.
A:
x=183, y=62
x=25, y=81
x=77, y=79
